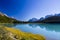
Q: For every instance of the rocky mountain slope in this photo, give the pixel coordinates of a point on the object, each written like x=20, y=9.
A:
x=52, y=19
x=49, y=19
x=32, y=20
x=6, y=19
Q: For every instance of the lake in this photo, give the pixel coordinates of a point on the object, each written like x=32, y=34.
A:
x=49, y=31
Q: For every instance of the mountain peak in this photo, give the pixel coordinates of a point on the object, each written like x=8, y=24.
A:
x=33, y=19
x=2, y=14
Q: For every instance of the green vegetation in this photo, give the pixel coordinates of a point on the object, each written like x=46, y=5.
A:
x=7, y=33
x=5, y=19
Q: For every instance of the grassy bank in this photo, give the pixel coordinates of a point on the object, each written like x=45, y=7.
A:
x=7, y=33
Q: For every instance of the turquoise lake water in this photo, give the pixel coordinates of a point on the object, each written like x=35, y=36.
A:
x=49, y=31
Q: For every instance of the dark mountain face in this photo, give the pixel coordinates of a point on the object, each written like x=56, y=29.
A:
x=49, y=19
x=41, y=18
x=52, y=19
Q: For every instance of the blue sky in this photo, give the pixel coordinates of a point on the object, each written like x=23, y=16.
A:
x=27, y=9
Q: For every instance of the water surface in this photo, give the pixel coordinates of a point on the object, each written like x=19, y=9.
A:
x=50, y=31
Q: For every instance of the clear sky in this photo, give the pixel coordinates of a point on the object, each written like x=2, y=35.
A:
x=27, y=9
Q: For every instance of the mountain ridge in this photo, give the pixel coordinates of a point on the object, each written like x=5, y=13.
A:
x=6, y=19
x=49, y=19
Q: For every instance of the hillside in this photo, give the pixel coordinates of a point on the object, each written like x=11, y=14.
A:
x=5, y=19
x=13, y=34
